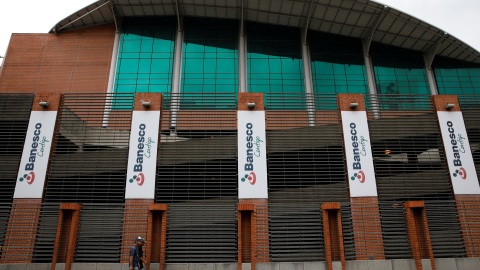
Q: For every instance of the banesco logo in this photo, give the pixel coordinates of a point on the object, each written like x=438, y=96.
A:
x=357, y=165
x=360, y=175
x=250, y=154
x=29, y=177
x=140, y=179
x=453, y=141
x=460, y=172
x=457, y=162
x=252, y=178
x=141, y=153
x=30, y=166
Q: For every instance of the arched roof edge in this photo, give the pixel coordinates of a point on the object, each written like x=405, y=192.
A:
x=363, y=19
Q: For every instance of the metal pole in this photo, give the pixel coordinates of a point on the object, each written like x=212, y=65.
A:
x=372, y=87
x=176, y=79
x=432, y=82
x=242, y=59
x=111, y=78
x=308, y=80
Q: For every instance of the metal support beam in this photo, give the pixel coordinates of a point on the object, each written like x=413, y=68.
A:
x=116, y=20
x=367, y=41
x=242, y=55
x=428, y=57
x=308, y=81
x=176, y=76
x=307, y=23
x=177, y=11
x=429, y=54
x=112, y=74
x=79, y=18
x=372, y=86
x=432, y=82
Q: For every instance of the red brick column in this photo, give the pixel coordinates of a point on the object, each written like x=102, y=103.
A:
x=418, y=233
x=152, y=232
x=259, y=219
x=135, y=224
x=22, y=229
x=468, y=209
x=22, y=225
x=245, y=209
x=467, y=205
x=330, y=244
x=259, y=230
x=367, y=227
x=67, y=225
x=137, y=213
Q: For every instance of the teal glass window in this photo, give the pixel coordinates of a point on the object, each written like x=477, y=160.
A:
x=210, y=56
x=456, y=77
x=337, y=64
x=399, y=71
x=145, y=58
x=274, y=59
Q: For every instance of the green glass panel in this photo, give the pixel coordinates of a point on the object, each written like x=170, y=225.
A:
x=337, y=64
x=130, y=46
x=399, y=71
x=274, y=59
x=129, y=66
x=209, y=61
x=456, y=77
x=144, y=65
x=145, y=55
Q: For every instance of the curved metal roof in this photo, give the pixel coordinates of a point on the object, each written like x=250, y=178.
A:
x=363, y=19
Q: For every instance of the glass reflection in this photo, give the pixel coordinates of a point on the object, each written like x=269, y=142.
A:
x=456, y=77
x=337, y=64
x=399, y=71
x=145, y=57
x=210, y=56
x=274, y=59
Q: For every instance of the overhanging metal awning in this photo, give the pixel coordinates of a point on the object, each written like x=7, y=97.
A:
x=361, y=19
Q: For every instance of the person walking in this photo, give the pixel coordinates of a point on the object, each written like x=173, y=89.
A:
x=134, y=259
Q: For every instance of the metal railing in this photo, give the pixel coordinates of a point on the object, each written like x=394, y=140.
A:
x=409, y=164
x=470, y=106
x=14, y=117
x=89, y=159
x=305, y=158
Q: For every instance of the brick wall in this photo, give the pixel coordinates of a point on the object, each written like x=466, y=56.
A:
x=156, y=235
x=367, y=229
x=469, y=219
x=259, y=221
x=67, y=233
x=135, y=224
x=72, y=62
x=332, y=234
x=418, y=233
x=22, y=229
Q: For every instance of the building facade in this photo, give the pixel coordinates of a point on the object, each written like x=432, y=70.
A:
x=240, y=134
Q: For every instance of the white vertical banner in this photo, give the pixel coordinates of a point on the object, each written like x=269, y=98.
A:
x=252, y=155
x=142, y=155
x=459, y=155
x=361, y=173
x=35, y=155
